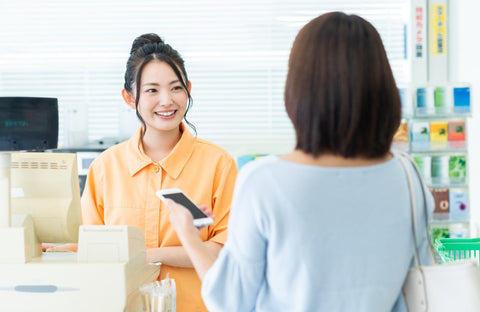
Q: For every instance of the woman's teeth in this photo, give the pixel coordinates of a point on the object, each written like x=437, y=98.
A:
x=165, y=113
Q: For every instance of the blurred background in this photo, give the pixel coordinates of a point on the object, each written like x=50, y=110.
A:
x=236, y=56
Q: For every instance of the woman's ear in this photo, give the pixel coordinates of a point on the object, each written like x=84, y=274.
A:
x=128, y=98
x=189, y=86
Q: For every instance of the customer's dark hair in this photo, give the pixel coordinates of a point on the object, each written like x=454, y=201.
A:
x=146, y=48
x=340, y=92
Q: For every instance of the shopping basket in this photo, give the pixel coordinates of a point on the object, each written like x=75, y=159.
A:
x=455, y=249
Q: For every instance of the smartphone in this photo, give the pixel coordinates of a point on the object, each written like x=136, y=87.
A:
x=200, y=219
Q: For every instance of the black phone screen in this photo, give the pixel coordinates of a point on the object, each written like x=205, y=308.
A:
x=181, y=199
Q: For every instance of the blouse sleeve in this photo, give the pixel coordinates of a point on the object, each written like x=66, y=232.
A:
x=225, y=178
x=92, y=199
x=233, y=282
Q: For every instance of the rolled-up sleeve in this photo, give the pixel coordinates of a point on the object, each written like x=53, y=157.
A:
x=92, y=197
x=222, y=199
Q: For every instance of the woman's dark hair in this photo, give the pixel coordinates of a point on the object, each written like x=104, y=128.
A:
x=146, y=48
x=340, y=92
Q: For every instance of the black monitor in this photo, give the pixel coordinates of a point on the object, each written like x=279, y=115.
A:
x=28, y=123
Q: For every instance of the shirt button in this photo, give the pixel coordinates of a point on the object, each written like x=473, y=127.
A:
x=157, y=168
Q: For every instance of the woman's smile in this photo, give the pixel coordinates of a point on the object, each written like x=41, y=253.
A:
x=166, y=114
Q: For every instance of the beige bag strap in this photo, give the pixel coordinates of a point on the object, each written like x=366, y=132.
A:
x=403, y=157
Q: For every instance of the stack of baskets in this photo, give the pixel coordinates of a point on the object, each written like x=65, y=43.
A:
x=457, y=249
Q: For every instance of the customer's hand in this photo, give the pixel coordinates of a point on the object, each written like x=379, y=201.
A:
x=199, y=252
x=182, y=219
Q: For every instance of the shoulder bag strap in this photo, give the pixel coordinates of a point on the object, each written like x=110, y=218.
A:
x=403, y=157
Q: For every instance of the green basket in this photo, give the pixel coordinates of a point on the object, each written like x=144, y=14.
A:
x=454, y=249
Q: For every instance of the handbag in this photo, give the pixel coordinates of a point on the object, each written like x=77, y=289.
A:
x=438, y=287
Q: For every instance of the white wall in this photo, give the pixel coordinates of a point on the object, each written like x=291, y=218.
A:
x=464, y=47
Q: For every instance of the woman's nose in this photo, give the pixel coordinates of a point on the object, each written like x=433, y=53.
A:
x=164, y=97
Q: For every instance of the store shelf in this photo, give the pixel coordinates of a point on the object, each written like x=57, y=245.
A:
x=434, y=133
x=447, y=221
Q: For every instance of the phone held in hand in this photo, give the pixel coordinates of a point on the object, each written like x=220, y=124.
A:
x=200, y=219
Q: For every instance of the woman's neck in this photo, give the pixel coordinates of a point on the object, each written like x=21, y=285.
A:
x=158, y=145
x=330, y=160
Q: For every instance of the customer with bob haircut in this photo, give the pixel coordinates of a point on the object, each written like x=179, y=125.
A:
x=326, y=227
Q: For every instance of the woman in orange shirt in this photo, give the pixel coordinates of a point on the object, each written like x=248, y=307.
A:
x=122, y=181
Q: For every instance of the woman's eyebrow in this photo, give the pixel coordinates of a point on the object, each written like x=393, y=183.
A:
x=157, y=84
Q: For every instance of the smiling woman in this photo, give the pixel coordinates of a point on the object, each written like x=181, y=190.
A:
x=122, y=182
x=163, y=99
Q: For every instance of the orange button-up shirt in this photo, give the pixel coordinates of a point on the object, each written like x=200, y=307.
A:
x=120, y=190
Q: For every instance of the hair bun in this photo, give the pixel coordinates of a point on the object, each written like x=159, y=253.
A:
x=143, y=40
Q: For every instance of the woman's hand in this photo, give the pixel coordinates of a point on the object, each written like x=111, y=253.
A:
x=182, y=219
x=199, y=252
x=59, y=248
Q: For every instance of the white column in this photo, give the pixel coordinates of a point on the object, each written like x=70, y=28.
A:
x=4, y=189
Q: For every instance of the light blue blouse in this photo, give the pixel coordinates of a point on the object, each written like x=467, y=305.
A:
x=309, y=238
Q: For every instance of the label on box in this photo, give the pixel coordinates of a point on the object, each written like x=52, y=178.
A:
x=424, y=166
x=440, y=169
x=457, y=169
x=440, y=96
x=425, y=101
x=456, y=131
x=421, y=131
x=441, y=197
x=458, y=205
x=461, y=100
x=438, y=131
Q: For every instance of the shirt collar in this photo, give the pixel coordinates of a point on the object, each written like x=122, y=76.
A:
x=173, y=164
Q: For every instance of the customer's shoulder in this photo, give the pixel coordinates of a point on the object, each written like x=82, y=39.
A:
x=260, y=166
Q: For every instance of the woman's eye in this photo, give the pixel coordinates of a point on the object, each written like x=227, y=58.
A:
x=177, y=88
x=151, y=90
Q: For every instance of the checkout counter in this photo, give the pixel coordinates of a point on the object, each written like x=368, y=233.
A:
x=40, y=203
x=104, y=275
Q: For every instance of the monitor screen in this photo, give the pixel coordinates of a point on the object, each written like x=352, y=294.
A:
x=45, y=186
x=28, y=123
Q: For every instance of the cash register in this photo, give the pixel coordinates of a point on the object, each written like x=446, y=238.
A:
x=40, y=203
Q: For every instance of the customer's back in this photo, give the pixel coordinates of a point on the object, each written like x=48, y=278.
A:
x=328, y=226
x=329, y=238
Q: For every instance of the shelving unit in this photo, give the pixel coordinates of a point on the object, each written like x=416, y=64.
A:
x=434, y=132
x=435, y=113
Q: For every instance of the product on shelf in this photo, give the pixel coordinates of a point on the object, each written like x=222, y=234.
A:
x=433, y=131
x=442, y=100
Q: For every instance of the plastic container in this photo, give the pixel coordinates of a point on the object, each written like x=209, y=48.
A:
x=457, y=249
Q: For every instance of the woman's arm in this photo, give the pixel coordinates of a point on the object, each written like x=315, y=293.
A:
x=202, y=254
x=232, y=281
x=56, y=248
x=178, y=256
